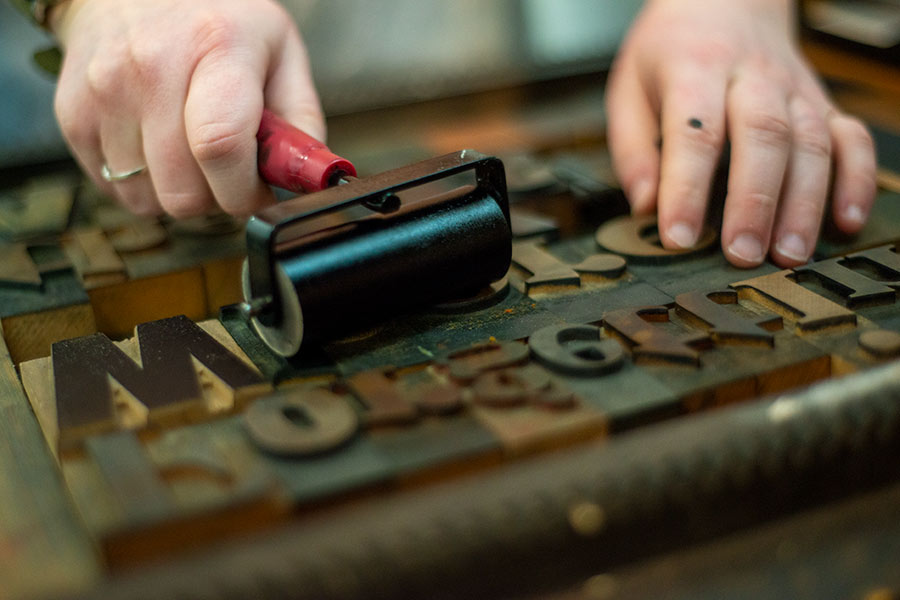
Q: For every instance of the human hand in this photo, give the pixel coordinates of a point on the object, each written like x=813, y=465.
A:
x=693, y=72
x=179, y=87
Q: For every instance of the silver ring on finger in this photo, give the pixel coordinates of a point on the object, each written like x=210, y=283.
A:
x=112, y=177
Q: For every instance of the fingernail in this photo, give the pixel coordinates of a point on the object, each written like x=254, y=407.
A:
x=855, y=214
x=747, y=247
x=682, y=234
x=641, y=196
x=792, y=246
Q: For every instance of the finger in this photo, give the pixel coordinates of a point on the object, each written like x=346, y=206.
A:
x=222, y=114
x=805, y=186
x=80, y=128
x=693, y=125
x=180, y=185
x=633, y=132
x=122, y=151
x=854, y=177
x=290, y=92
x=759, y=129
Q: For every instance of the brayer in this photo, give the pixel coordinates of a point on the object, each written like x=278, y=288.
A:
x=355, y=252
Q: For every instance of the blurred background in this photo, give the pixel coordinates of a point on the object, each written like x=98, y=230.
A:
x=369, y=55
x=364, y=55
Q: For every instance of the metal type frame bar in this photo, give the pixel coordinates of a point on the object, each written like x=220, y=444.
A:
x=522, y=527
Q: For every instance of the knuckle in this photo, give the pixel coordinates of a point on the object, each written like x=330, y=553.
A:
x=106, y=73
x=810, y=208
x=148, y=56
x=759, y=203
x=212, y=142
x=859, y=134
x=768, y=128
x=186, y=203
x=812, y=138
x=707, y=141
x=715, y=50
x=214, y=33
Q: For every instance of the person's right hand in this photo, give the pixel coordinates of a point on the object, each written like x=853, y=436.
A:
x=179, y=87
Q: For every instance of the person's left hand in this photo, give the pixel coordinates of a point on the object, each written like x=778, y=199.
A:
x=693, y=73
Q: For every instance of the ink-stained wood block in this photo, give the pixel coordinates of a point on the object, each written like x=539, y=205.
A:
x=359, y=464
x=627, y=397
x=45, y=549
x=222, y=278
x=881, y=228
x=34, y=316
x=436, y=447
x=173, y=371
x=190, y=245
x=94, y=257
x=38, y=208
x=421, y=337
x=538, y=272
x=729, y=373
x=808, y=311
x=594, y=366
x=594, y=295
x=522, y=404
x=707, y=272
x=174, y=493
x=528, y=429
x=120, y=307
x=590, y=306
x=846, y=349
x=17, y=268
x=189, y=267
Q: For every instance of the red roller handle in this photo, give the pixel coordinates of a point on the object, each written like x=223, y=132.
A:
x=295, y=161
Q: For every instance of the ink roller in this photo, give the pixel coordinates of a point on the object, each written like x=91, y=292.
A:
x=355, y=252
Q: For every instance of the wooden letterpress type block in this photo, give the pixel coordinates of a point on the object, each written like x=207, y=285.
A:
x=595, y=367
x=705, y=272
x=808, y=310
x=37, y=312
x=519, y=403
x=41, y=207
x=437, y=445
x=173, y=371
x=543, y=272
x=706, y=310
x=884, y=259
x=120, y=307
x=175, y=493
x=356, y=465
x=655, y=344
x=94, y=257
x=45, y=549
x=538, y=272
x=637, y=239
x=527, y=428
x=190, y=268
x=728, y=372
x=853, y=287
x=382, y=404
x=299, y=421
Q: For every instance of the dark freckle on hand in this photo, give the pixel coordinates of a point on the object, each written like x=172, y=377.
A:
x=695, y=123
